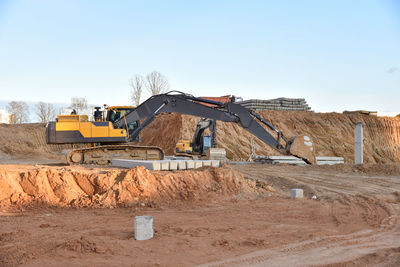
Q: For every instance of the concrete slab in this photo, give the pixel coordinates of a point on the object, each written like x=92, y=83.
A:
x=181, y=164
x=173, y=165
x=127, y=163
x=164, y=165
x=296, y=193
x=206, y=162
x=190, y=164
x=282, y=157
x=323, y=158
x=326, y=162
x=198, y=164
x=217, y=154
x=215, y=163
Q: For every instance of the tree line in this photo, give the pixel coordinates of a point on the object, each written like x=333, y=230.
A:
x=155, y=83
x=19, y=111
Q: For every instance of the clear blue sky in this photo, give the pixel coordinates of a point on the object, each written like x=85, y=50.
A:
x=337, y=54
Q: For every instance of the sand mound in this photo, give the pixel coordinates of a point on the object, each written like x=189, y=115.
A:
x=24, y=140
x=332, y=133
x=79, y=187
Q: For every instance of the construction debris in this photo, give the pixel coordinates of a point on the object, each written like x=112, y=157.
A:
x=296, y=161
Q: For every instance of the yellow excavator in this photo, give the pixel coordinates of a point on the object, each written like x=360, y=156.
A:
x=200, y=144
x=103, y=141
x=112, y=135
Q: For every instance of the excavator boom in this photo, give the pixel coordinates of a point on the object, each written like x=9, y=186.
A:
x=178, y=102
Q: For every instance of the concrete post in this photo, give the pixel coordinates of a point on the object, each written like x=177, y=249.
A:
x=143, y=227
x=358, y=143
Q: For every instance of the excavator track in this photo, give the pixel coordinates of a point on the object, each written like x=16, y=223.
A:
x=103, y=155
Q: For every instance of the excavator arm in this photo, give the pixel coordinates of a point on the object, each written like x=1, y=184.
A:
x=178, y=102
x=197, y=140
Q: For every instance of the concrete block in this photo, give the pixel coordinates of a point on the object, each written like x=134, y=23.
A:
x=164, y=165
x=143, y=227
x=181, y=164
x=282, y=157
x=323, y=158
x=215, y=163
x=190, y=164
x=296, y=193
x=127, y=163
x=206, y=162
x=327, y=162
x=217, y=154
x=173, y=165
x=198, y=164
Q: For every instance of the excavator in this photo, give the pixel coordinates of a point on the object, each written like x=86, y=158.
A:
x=200, y=143
x=111, y=136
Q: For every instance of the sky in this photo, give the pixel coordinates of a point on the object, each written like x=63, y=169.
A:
x=337, y=54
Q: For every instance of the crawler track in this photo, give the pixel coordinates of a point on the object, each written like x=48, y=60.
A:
x=103, y=155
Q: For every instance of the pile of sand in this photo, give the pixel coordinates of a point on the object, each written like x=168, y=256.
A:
x=26, y=140
x=80, y=187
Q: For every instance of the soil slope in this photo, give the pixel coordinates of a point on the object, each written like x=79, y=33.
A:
x=26, y=141
x=332, y=133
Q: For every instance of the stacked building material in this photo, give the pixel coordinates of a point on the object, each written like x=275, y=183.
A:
x=296, y=161
x=281, y=103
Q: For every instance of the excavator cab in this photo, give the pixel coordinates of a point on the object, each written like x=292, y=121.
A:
x=116, y=112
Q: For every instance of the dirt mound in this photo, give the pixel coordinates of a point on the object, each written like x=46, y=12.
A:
x=332, y=133
x=25, y=140
x=79, y=187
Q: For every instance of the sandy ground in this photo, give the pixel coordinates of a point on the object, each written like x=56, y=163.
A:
x=353, y=222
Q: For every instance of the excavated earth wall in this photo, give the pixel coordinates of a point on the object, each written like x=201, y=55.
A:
x=332, y=133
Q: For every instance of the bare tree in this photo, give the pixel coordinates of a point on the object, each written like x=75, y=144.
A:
x=156, y=83
x=45, y=112
x=79, y=103
x=19, y=112
x=137, y=87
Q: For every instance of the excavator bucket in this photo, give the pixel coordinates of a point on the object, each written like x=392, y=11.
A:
x=302, y=147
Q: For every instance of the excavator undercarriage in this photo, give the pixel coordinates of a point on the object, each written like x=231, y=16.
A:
x=103, y=155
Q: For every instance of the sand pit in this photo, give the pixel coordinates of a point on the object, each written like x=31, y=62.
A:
x=27, y=186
